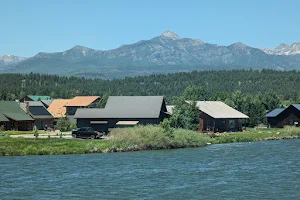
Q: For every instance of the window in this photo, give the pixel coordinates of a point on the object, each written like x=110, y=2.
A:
x=232, y=124
x=291, y=122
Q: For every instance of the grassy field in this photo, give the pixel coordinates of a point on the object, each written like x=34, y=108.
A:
x=135, y=139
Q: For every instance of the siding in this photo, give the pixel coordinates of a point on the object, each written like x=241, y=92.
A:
x=287, y=117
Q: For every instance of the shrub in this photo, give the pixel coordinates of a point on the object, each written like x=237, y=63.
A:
x=36, y=133
x=166, y=126
x=156, y=137
x=292, y=130
x=63, y=124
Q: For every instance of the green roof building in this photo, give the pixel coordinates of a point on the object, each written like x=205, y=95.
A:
x=13, y=117
x=35, y=98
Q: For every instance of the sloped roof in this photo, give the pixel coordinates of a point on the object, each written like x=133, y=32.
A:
x=297, y=106
x=57, y=108
x=219, y=110
x=82, y=100
x=38, y=110
x=37, y=98
x=47, y=103
x=275, y=112
x=34, y=103
x=3, y=118
x=125, y=107
x=12, y=110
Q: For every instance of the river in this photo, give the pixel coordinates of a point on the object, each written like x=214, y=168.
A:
x=258, y=170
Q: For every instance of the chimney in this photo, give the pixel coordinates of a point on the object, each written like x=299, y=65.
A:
x=25, y=106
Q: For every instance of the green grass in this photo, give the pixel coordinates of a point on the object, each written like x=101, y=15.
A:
x=135, y=139
x=21, y=132
x=252, y=135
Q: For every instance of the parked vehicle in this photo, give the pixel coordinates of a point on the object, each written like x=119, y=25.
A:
x=87, y=132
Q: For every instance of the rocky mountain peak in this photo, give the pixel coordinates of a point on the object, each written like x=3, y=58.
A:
x=282, y=45
x=11, y=59
x=239, y=45
x=170, y=35
x=284, y=49
x=79, y=50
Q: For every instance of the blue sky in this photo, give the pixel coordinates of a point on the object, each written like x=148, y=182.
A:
x=32, y=26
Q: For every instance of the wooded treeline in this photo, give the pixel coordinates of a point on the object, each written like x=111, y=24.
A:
x=252, y=92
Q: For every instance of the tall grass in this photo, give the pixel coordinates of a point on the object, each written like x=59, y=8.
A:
x=252, y=135
x=154, y=137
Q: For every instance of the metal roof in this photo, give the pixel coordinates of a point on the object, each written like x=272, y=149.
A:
x=47, y=103
x=12, y=110
x=3, y=118
x=297, y=106
x=275, y=112
x=38, y=110
x=125, y=107
x=34, y=103
x=39, y=98
x=219, y=110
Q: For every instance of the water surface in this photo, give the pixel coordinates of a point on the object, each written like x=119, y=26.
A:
x=260, y=170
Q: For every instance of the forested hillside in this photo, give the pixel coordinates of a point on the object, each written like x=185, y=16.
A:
x=284, y=84
x=252, y=92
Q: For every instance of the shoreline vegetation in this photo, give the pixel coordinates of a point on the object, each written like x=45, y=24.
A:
x=135, y=139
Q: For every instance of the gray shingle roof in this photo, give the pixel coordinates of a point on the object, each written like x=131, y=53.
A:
x=125, y=107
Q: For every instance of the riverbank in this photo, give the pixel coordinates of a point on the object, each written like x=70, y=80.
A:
x=135, y=139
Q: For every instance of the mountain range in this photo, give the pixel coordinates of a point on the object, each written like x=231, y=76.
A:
x=167, y=53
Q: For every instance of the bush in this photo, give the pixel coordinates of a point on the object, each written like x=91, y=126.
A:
x=166, y=126
x=63, y=124
x=36, y=133
x=156, y=137
x=292, y=130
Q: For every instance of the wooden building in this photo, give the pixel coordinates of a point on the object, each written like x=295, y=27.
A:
x=216, y=116
x=123, y=111
x=13, y=117
x=281, y=117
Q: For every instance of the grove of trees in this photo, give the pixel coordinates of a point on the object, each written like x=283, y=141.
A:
x=251, y=92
